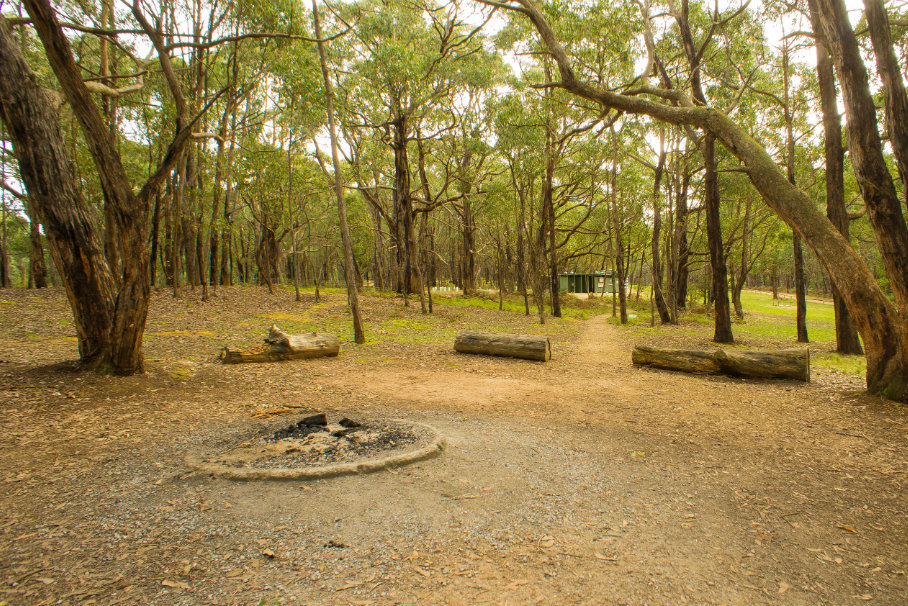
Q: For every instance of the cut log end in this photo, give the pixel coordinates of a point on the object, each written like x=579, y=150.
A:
x=785, y=364
x=528, y=347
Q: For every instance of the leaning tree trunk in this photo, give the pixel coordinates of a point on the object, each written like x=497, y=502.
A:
x=131, y=210
x=884, y=208
x=97, y=306
x=879, y=322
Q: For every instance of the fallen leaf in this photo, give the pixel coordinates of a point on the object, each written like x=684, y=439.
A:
x=783, y=587
x=269, y=554
x=517, y=584
x=864, y=597
x=234, y=573
x=45, y=580
x=175, y=584
x=848, y=528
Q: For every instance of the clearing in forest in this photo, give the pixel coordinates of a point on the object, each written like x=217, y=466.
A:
x=581, y=480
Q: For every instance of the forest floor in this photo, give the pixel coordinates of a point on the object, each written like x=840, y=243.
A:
x=582, y=480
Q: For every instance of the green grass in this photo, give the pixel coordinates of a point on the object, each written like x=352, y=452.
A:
x=766, y=323
x=777, y=320
x=852, y=365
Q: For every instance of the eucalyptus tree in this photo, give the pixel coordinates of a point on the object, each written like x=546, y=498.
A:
x=409, y=59
x=882, y=325
x=352, y=295
x=109, y=310
x=519, y=147
x=566, y=128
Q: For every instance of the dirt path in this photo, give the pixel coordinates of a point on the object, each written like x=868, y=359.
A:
x=579, y=481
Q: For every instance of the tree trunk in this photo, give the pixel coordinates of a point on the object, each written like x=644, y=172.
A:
x=352, y=295
x=659, y=300
x=797, y=252
x=5, y=276
x=529, y=347
x=789, y=364
x=893, y=86
x=738, y=284
x=37, y=266
x=468, y=264
x=682, y=271
x=153, y=241
x=722, y=333
x=46, y=170
x=880, y=324
x=521, y=243
x=878, y=190
x=548, y=219
x=711, y=200
x=280, y=346
x=403, y=203
x=847, y=339
x=616, y=228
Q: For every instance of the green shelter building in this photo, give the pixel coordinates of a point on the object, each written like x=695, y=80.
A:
x=596, y=282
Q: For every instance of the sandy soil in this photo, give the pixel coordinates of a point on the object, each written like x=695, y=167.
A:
x=578, y=481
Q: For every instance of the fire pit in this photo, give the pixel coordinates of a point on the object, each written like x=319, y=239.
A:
x=313, y=448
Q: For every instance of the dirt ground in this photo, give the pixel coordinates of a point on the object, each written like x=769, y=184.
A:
x=578, y=481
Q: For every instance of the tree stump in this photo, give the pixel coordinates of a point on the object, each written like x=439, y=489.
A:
x=528, y=347
x=280, y=346
x=785, y=364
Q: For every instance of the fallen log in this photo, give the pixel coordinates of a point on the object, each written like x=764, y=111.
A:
x=280, y=346
x=529, y=347
x=785, y=364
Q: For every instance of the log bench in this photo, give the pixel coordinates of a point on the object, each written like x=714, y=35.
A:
x=528, y=347
x=280, y=346
x=784, y=364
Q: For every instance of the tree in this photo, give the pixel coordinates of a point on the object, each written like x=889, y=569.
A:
x=847, y=340
x=882, y=326
x=352, y=295
x=109, y=310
